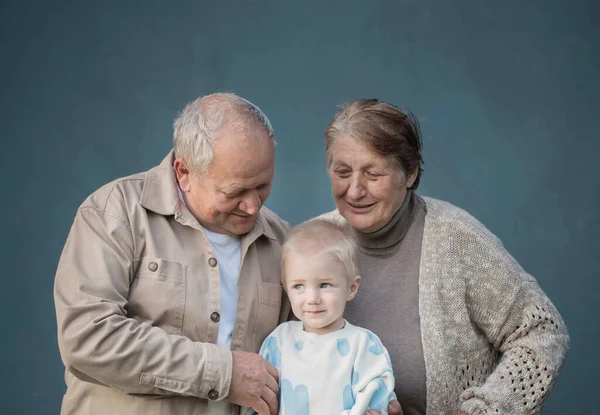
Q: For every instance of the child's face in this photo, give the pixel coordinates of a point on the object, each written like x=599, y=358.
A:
x=318, y=289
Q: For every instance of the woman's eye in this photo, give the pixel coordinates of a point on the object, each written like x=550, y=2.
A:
x=342, y=173
x=372, y=174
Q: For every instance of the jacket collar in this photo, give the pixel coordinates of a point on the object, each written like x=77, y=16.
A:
x=160, y=196
x=160, y=188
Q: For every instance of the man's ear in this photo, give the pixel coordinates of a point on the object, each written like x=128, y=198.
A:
x=354, y=288
x=183, y=174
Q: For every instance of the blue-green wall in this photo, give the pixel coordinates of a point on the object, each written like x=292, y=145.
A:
x=507, y=93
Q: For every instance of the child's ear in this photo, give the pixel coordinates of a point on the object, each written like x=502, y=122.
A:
x=354, y=288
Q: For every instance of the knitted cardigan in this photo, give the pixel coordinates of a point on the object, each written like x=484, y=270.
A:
x=493, y=343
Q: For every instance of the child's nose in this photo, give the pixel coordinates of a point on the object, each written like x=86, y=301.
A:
x=314, y=297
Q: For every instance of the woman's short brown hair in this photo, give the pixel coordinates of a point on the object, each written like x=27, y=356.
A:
x=383, y=127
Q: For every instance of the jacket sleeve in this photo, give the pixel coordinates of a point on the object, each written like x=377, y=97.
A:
x=372, y=379
x=99, y=343
x=524, y=328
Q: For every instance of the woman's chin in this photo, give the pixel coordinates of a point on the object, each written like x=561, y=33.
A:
x=361, y=223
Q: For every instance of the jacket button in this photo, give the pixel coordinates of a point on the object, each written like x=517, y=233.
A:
x=213, y=395
x=153, y=266
x=212, y=262
x=215, y=317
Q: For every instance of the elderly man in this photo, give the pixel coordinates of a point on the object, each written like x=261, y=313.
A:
x=170, y=278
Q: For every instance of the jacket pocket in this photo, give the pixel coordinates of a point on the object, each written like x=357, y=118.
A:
x=269, y=306
x=157, y=294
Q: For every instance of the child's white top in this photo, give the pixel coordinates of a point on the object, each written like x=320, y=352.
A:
x=344, y=372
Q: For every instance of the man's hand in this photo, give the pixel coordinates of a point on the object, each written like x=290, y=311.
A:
x=394, y=408
x=254, y=383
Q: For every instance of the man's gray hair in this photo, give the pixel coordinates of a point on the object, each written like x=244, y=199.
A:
x=198, y=125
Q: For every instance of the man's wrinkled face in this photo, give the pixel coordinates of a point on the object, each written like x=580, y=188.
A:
x=227, y=197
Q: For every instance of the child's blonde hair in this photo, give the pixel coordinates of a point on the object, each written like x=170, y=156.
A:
x=322, y=237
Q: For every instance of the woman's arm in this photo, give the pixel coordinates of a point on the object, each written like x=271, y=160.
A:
x=519, y=321
x=532, y=342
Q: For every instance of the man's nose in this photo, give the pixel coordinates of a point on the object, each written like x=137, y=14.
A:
x=251, y=203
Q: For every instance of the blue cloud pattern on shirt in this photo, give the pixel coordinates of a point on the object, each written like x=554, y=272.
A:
x=299, y=345
x=343, y=347
x=348, y=398
x=355, y=377
x=375, y=348
x=270, y=351
x=381, y=397
x=294, y=400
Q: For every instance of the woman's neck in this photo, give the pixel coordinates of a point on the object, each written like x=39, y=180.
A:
x=393, y=232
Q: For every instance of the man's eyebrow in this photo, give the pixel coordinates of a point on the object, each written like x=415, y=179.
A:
x=231, y=188
x=238, y=188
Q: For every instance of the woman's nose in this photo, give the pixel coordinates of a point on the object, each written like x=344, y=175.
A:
x=356, y=190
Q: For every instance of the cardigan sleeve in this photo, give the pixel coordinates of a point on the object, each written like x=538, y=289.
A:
x=524, y=328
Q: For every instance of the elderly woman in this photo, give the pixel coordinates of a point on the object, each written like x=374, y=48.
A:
x=468, y=330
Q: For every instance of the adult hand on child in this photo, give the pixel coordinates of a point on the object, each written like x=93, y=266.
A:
x=254, y=383
x=394, y=408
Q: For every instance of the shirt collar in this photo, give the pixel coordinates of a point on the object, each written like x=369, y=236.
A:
x=160, y=188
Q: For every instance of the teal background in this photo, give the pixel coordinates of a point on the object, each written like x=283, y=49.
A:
x=507, y=94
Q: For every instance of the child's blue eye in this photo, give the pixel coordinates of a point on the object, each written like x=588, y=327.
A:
x=325, y=285
x=298, y=287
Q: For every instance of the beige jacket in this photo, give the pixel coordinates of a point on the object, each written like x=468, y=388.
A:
x=137, y=301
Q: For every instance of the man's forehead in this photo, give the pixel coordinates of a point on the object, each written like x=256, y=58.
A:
x=247, y=133
x=237, y=178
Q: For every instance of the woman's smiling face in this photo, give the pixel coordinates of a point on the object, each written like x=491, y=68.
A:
x=368, y=187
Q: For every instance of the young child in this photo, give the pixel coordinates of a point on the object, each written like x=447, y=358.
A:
x=326, y=365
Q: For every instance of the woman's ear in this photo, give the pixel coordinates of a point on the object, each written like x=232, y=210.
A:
x=412, y=177
x=354, y=288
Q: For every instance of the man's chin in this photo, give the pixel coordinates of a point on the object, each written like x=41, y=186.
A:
x=241, y=228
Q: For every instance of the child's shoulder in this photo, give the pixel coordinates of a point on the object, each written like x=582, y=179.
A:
x=361, y=333
x=285, y=329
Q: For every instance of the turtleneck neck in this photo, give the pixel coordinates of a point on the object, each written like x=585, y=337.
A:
x=393, y=232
